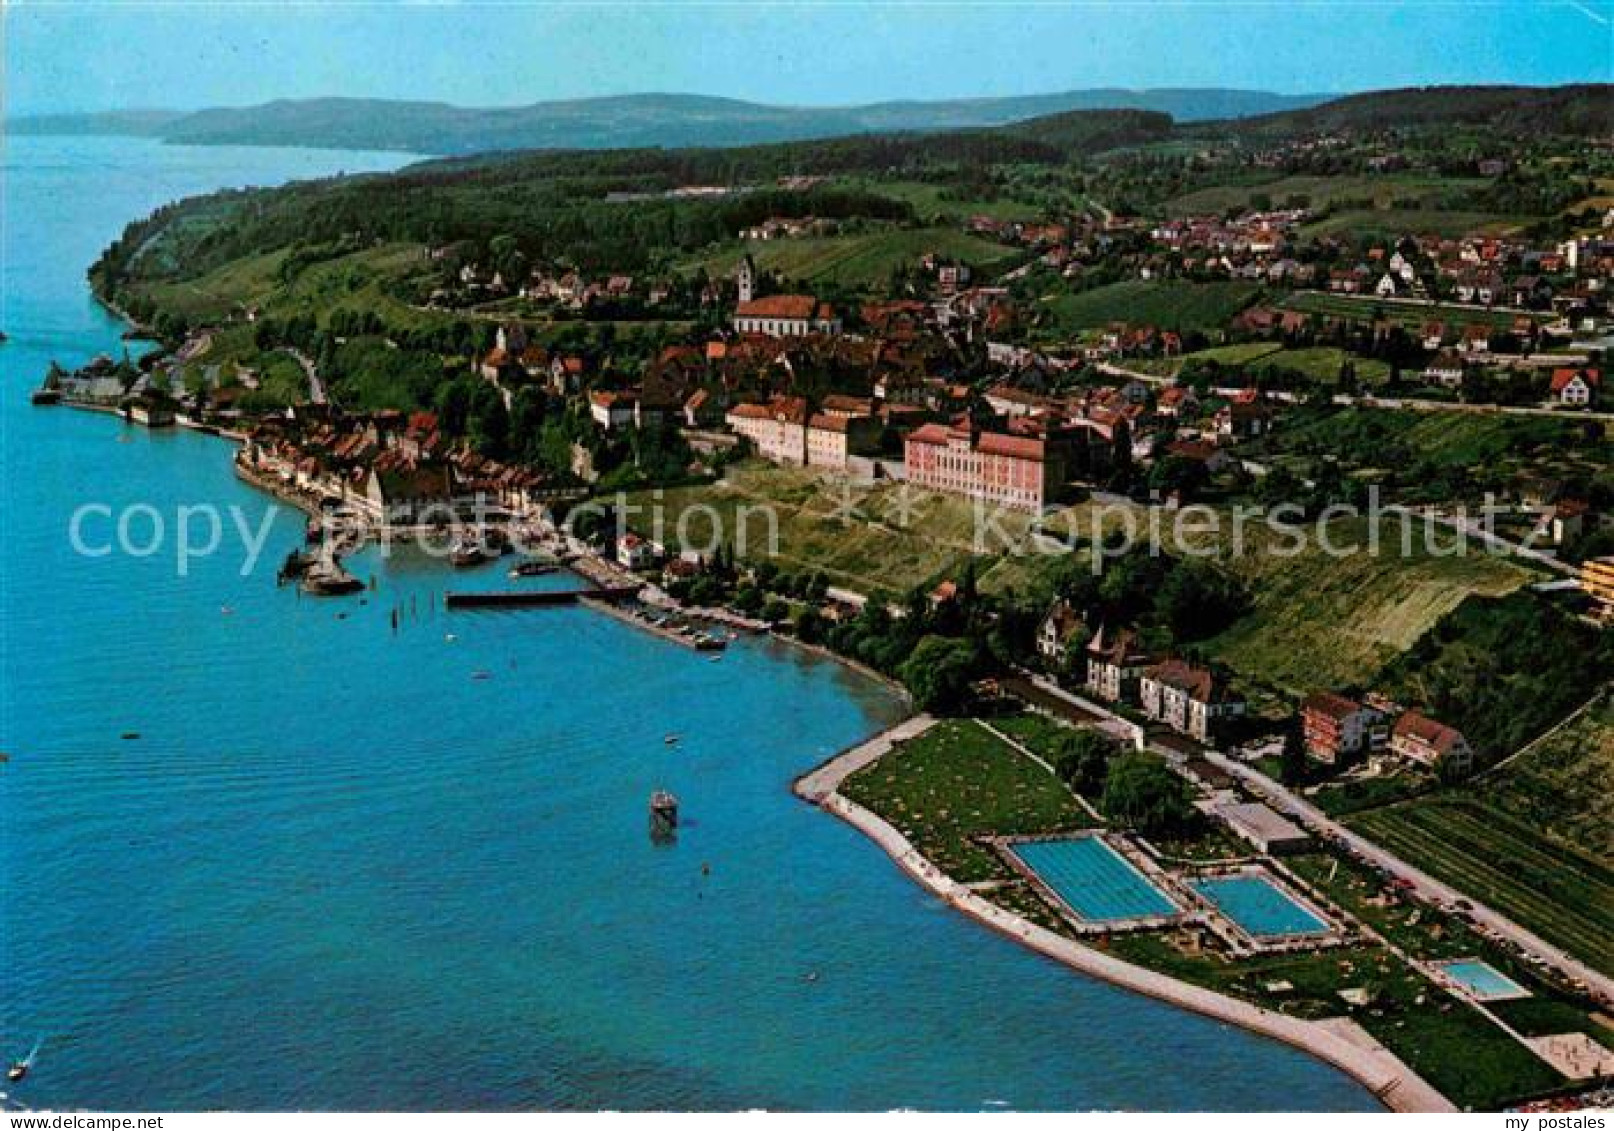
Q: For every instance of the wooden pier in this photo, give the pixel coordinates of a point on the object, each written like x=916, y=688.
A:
x=536, y=598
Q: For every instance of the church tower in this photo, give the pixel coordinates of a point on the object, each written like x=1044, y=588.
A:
x=746, y=277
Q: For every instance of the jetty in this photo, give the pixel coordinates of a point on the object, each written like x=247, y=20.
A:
x=537, y=598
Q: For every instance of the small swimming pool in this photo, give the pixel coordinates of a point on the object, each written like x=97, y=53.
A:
x=1483, y=981
x=1094, y=880
x=1259, y=906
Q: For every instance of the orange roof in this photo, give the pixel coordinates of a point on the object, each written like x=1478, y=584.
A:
x=1562, y=377
x=1012, y=447
x=1329, y=704
x=1426, y=730
x=778, y=306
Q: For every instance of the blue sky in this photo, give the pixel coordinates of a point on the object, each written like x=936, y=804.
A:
x=72, y=56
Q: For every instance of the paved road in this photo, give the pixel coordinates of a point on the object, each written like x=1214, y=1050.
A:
x=316, y=387
x=1423, y=884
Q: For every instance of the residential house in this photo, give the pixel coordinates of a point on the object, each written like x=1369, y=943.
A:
x=1421, y=739
x=612, y=409
x=1575, y=388
x=1189, y=699
x=1336, y=727
x=1116, y=661
x=777, y=429
x=1059, y=627
x=833, y=438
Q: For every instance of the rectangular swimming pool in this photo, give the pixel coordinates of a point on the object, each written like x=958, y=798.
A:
x=1259, y=906
x=1482, y=980
x=1097, y=882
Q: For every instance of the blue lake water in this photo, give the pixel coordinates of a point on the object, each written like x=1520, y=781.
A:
x=1098, y=883
x=337, y=871
x=1259, y=906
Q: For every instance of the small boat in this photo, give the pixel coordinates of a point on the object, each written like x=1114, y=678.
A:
x=481, y=675
x=532, y=569
x=671, y=740
x=467, y=553
x=20, y=1068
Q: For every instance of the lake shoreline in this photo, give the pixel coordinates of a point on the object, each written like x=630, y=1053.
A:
x=1386, y=1077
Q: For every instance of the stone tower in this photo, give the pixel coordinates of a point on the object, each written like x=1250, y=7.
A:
x=746, y=277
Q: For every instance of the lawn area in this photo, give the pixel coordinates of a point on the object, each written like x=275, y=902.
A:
x=858, y=260
x=1170, y=305
x=1563, y=895
x=958, y=781
x=1324, y=621
x=1322, y=191
x=1564, y=784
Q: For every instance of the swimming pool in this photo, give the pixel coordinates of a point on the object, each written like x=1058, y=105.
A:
x=1095, y=881
x=1259, y=906
x=1483, y=981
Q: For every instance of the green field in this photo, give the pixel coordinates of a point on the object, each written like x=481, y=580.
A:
x=958, y=781
x=1321, y=191
x=864, y=259
x=1170, y=305
x=1324, y=621
x=1565, y=896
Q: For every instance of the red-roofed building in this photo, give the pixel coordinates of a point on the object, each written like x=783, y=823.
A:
x=777, y=429
x=786, y=316
x=1575, y=387
x=1188, y=698
x=1021, y=472
x=833, y=437
x=1337, y=727
x=1421, y=739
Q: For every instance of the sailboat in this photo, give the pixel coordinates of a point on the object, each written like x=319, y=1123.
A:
x=19, y=1068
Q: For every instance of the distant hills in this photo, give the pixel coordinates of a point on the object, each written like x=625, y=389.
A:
x=624, y=122
x=1581, y=109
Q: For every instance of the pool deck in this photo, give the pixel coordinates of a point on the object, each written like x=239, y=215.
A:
x=1391, y=1081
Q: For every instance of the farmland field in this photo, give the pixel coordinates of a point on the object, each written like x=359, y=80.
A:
x=1320, y=192
x=1322, y=621
x=1565, y=896
x=1392, y=224
x=1565, y=783
x=1170, y=305
x=862, y=259
x=1410, y=314
x=881, y=540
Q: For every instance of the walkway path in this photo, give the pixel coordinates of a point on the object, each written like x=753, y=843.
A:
x=817, y=785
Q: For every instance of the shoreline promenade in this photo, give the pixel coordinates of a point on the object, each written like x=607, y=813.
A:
x=1387, y=1077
